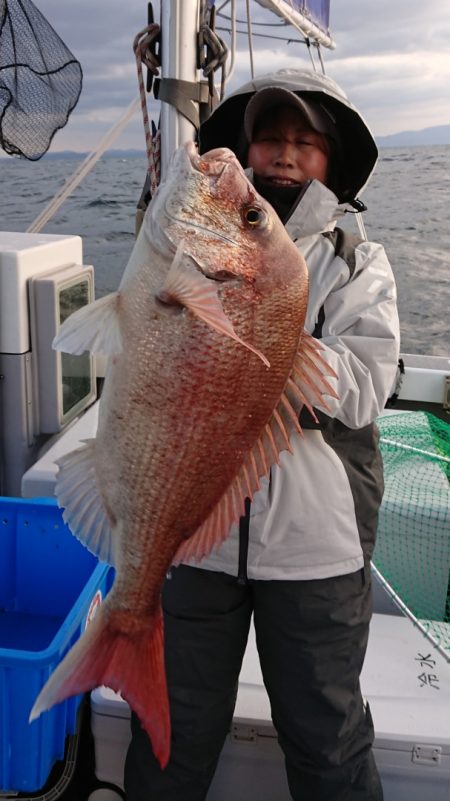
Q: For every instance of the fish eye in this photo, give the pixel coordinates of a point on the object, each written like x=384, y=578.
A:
x=253, y=216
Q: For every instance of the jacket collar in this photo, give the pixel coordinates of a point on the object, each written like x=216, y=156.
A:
x=317, y=211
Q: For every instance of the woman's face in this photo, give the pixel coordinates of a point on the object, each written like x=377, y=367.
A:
x=286, y=151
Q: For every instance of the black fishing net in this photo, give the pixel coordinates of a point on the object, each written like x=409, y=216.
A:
x=40, y=80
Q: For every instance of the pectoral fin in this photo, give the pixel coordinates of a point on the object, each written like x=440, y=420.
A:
x=199, y=294
x=94, y=327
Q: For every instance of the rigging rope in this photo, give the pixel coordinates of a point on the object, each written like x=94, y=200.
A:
x=143, y=53
x=143, y=47
x=250, y=41
x=251, y=34
x=85, y=167
x=233, y=40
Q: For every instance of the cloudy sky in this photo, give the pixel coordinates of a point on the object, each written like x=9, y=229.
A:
x=392, y=58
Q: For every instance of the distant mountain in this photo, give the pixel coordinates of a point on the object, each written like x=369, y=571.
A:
x=72, y=154
x=438, y=135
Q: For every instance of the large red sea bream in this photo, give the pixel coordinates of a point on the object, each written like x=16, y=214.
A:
x=208, y=366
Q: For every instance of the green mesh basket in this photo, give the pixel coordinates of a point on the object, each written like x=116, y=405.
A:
x=412, y=553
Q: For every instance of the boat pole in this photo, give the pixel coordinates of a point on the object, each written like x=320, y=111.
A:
x=179, y=31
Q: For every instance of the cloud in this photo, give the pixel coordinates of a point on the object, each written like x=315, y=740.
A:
x=392, y=59
x=397, y=90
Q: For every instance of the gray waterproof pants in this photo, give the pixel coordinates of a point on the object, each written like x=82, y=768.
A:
x=311, y=637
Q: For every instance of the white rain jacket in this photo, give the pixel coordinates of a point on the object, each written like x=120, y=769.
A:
x=316, y=514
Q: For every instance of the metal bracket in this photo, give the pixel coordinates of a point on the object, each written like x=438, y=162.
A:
x=427, y=754
x=241, y=733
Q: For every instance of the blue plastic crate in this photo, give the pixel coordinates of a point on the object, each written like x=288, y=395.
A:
x=49, y=585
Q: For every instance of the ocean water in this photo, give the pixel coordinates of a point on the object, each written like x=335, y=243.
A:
x=408, y=199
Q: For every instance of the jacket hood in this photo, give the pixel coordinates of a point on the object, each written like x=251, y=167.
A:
x=357, y=151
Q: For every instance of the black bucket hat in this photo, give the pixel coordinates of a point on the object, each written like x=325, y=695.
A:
x=317, y=115
x=354, y=157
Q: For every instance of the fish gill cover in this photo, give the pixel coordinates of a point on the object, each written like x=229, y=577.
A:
x=40, y=80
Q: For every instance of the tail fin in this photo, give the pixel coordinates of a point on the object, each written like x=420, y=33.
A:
x=131, y=663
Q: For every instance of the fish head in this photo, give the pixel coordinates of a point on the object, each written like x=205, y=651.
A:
x=231, y=233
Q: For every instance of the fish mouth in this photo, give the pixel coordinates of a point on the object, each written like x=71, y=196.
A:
x=212, y=163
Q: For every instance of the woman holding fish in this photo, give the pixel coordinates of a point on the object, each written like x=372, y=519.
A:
x=299, y=560
x=233, y=387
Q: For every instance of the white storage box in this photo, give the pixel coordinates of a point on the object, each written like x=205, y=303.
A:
x=110, y=724
x=406, y=681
